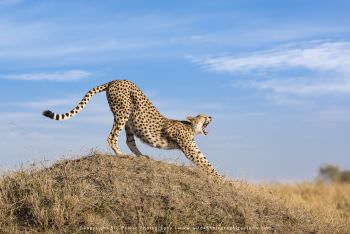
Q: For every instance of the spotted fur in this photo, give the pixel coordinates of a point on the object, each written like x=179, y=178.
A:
x=134, y=111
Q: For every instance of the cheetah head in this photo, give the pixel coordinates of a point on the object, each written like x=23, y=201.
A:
x=199, y=123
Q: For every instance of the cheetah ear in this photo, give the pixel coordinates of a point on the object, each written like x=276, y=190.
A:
x=190, y=118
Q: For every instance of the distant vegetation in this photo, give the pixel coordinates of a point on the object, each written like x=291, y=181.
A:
x=102, y=193
x=331, y=173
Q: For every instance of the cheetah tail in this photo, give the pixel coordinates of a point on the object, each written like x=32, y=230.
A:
x=80, y=105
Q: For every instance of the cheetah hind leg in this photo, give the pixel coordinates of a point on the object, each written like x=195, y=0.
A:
x=130, y=141
x=112, y=140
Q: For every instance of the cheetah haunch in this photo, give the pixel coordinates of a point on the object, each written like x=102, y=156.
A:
x=134, y=111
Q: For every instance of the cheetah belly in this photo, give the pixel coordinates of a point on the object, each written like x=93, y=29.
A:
x=151, y=133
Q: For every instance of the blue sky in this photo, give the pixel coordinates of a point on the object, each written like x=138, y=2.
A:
x=275, y=75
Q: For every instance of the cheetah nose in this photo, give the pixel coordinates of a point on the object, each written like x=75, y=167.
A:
x=210, y=118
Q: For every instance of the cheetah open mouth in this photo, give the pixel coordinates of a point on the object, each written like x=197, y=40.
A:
x=204, y=130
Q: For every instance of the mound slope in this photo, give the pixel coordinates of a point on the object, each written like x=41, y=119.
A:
x=101, y=192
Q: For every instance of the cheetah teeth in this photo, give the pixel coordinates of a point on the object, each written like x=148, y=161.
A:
x=204, y=130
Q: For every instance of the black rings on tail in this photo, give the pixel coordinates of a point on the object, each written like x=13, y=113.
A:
x=80, y=105
x=48, y=114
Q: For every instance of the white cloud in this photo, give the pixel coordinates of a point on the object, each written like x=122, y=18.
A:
x=321, y=57
x=17, y=36
x=304, y=88
x=9, y=2
x=53, y=38
x=71, y=75
x=42, y=103
x=322, y=68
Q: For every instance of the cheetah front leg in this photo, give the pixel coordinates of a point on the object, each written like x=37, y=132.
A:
x=190, y=149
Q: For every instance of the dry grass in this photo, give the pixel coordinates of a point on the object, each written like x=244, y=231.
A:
x=329, y=201
x=104, y=193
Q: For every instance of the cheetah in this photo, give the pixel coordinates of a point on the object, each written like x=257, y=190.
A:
x=135, y=112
